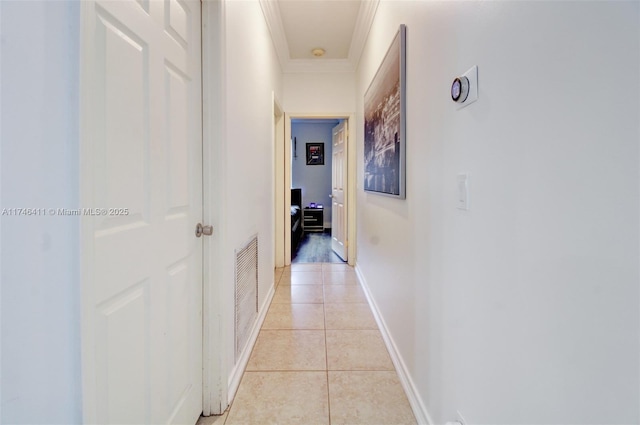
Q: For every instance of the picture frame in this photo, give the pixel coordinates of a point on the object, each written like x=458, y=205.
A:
x=315, y=153
x=385, y=123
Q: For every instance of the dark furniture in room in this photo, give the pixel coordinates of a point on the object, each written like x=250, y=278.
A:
x=313, y=219
x=296, y=218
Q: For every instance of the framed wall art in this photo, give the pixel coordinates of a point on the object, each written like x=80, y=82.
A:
x=384, y=123
x=315, y=153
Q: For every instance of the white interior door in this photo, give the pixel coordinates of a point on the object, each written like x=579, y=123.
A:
x=338, y=190
x=142, y=162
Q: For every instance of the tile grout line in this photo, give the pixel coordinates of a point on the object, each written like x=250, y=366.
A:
x=291, y=370
x=326, y=347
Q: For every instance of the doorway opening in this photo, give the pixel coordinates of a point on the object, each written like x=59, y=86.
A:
x=301, y=151
x=311, y=173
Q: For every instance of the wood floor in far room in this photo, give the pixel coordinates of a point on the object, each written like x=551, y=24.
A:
x=315, y=247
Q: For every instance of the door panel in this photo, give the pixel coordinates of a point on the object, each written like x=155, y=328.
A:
x=338, y=191
x=143, y=148
x=121, y=325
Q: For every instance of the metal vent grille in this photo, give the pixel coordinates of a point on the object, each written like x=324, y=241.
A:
x=246, y=308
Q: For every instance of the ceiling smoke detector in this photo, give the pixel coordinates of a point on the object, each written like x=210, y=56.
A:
x=319, y=52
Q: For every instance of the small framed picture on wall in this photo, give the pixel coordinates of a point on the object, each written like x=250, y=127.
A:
x=315, y=153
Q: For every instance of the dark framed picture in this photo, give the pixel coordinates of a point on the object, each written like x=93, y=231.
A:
x=315, y=153
x=384, y=123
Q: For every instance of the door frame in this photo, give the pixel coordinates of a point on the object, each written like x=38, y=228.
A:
x=215, y=391
x=284, y=172
x=344, y=251
x=279, y=160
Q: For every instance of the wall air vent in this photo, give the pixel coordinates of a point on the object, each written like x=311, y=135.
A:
x=246, y=294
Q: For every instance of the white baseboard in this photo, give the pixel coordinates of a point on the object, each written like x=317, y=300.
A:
x=236, y=374
x=415, y=401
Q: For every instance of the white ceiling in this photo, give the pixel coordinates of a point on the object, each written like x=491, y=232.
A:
x=339, y=27
x=327, y=24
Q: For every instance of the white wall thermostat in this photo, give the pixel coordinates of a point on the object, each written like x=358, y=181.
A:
x=460, y=89
x=464, y=89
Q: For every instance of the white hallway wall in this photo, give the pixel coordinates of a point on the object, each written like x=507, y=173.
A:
x=319, y=93
x=40, y=310
x=246, y=202
x=525, y=308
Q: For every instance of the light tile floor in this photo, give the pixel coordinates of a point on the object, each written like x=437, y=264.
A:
x=319, y=357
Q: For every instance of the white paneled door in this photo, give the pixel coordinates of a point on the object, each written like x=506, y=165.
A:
x=142, y=163
x=338, y=186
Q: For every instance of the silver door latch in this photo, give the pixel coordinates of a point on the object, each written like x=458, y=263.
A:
x=203, y=230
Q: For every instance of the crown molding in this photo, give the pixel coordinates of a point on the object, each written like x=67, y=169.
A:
x=366, y=14
x=271, y=12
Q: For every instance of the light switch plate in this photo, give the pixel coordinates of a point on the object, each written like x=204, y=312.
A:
x=463, y=192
